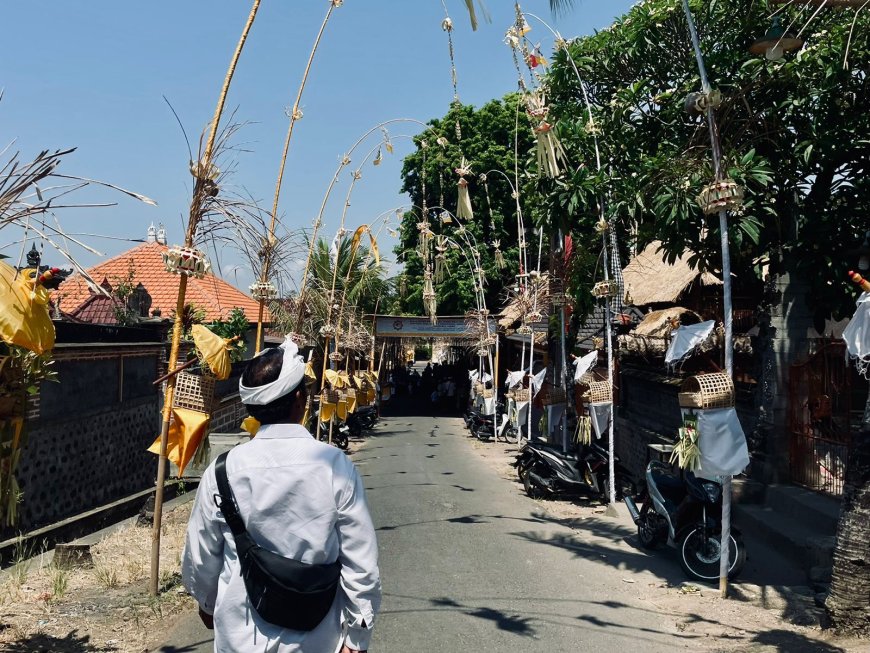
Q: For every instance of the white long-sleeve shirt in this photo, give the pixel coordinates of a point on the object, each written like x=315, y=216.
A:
x=301, y=499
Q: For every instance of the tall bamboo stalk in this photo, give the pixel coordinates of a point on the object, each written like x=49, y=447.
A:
x=195, y=216
x=294, y=116
x=725, y=546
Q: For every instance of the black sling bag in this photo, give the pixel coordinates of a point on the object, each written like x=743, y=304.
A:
x=283, y=591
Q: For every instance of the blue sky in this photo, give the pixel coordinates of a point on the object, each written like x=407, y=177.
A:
x=92, y=74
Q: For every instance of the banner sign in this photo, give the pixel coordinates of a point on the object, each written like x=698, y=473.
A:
x=390, y=326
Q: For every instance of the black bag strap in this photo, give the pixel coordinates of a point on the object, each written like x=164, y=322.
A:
x=227, y=503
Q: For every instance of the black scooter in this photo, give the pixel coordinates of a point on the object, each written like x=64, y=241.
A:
x=547, y=472
x=686, y=513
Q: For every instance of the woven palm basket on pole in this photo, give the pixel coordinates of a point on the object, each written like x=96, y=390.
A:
x=706, y=391
x=329, y=397
x=599, y=392
x=518, y=394
x=194, y=391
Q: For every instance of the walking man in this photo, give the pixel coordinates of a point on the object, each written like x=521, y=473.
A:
x=299, y=498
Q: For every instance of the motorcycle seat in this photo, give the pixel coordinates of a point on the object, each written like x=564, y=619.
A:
x=667, y=480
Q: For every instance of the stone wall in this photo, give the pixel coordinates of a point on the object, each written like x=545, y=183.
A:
x=87, y=435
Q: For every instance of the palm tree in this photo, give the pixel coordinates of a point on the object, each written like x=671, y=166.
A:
x=359, y=284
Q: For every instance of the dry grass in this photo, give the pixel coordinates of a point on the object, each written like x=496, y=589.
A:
x=103, y=608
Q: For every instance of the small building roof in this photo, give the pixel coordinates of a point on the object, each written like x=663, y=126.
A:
x=649, y=279
x=211, y=294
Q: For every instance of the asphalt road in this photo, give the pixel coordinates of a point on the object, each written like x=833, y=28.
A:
x=469, y=564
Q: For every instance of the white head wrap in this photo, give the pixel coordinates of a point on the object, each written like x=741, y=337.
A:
x=292, y=373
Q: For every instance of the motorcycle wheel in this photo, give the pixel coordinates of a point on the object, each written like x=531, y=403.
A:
x=522, y=470
x=339, y=440
x=648, y=532
x=531, y=488
x=700, y=559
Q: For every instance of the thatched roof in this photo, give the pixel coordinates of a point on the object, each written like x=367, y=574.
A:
x=659, y=323
x=651, y=280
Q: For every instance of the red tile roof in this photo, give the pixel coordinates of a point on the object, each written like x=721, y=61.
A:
x=213, y=295
x=98, y=309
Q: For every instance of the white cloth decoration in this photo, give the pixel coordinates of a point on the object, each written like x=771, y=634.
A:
x=472, y=375
x=514, y=378
x=601, y=414
x=489, y=406
x=686, y=339
x=486, y=378
x=857, y=335
x=538, y=381
x=292, y=373
x=585, y=364
x=555, y=415
x=522, y=413
x=722, y=443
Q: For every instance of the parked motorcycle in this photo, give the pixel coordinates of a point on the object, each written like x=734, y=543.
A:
x=340, y=433
x=367, y=417
x=686, y=513
x=545, y=471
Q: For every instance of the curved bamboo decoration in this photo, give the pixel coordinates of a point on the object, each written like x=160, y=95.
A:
x=193, y=221
x=294, y=116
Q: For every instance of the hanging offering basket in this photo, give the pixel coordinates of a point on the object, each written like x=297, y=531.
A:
x=706, y=391
x=478, y=388
x=605, y=289
x=725, y=195
x=329, y=397
x=336, y=357
x=488, y=393
x=194, y=391
x=186, y=260
x=599, y=392
x=263, y=291
x=518, y=394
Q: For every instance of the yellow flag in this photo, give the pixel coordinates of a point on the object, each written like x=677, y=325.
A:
x=251, y=425
x=375, y=251
x=24, y=318
x=186, y=431
x=214, y=350
x=327, y=410
x=335, y=379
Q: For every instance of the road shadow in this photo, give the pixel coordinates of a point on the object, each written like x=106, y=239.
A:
x=71, y=643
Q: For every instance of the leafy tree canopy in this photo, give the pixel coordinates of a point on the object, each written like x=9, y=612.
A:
x=794, y=133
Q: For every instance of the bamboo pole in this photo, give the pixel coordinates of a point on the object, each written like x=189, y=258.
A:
x=194, y=218
x=294, y=116
x=725, y=543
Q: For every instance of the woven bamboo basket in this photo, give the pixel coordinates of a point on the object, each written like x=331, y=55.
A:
x=706, y=391
x=599, y=392
x=329, y=397
x=487, y=394
x=519, y=394
x=194, y=391
x=552, y=396
x=478, y=388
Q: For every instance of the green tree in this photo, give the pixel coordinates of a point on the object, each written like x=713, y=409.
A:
x=493, y=136
x=793, y=132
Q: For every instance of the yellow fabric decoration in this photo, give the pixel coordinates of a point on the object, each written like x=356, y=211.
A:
x=24, y=318
x=335, y=379
x=309, y=371
x=341, y=409
x=214, y=350
x=327, y=410
x=351, y=401
x=357, y=236
x=251, y=425
x=186, y=431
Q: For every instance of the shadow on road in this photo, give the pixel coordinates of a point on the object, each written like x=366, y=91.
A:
x=72, y=643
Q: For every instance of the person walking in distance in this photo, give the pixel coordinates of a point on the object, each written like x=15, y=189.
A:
x=282, y=493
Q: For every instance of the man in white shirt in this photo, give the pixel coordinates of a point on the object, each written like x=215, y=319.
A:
x=299, y=498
